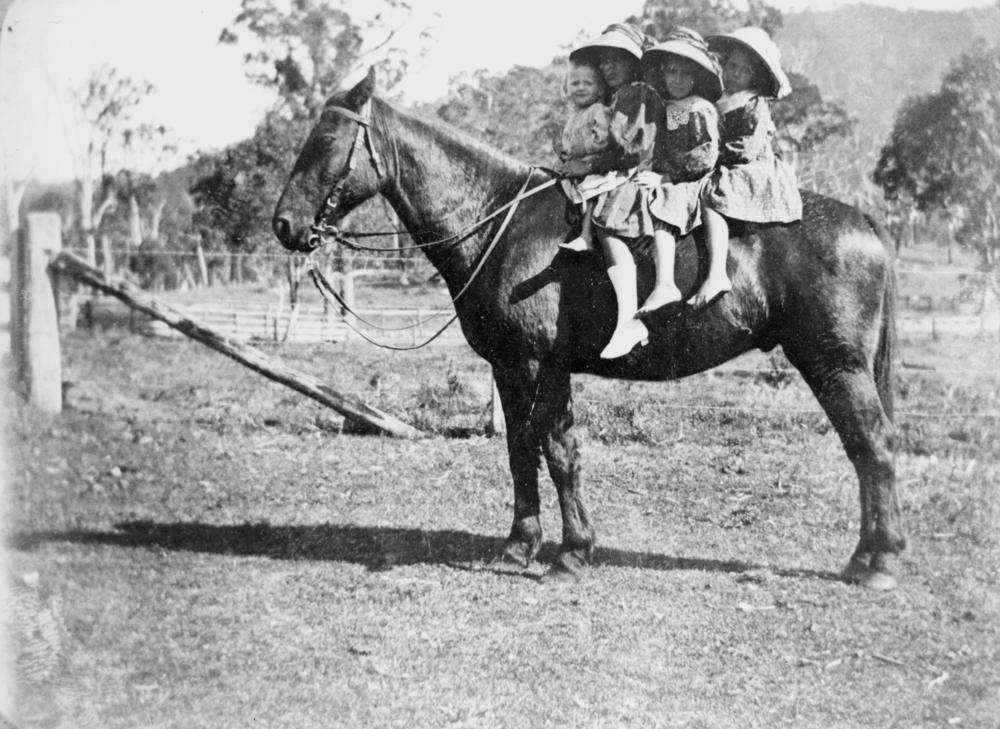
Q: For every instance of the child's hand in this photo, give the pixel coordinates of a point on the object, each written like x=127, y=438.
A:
x=573, y=168
x=649, y=179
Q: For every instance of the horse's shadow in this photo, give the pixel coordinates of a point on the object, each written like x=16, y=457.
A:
x=377, y=548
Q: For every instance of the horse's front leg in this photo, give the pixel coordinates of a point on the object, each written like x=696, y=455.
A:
x=517, y=389
x=553, y=421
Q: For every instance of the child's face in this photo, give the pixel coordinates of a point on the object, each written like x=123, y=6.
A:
x=679, y=76
x=738, y=73
x=584, y=86
x=617, y=67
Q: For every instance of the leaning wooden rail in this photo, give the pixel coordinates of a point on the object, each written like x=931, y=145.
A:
x=251, y=357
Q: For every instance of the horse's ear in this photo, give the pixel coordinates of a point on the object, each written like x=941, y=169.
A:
x=363, y=90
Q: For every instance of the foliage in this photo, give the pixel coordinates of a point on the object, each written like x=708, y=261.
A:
x=804, y=119
x=707, y=16
x=944, y=149
x=107, y=103
x=520, y=112
x=869, y=57
x=304, y=51
x=236, y=188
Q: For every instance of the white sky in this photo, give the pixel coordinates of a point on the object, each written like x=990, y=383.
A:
x=50, y=47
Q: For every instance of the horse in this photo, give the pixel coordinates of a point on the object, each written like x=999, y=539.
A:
x=822, y=288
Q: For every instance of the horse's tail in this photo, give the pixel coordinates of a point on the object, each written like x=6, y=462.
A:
x=885, y=352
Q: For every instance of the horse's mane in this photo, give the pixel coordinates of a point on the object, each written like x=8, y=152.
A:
x=449, y=135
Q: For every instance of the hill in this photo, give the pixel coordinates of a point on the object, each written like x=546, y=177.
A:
x=870, y=57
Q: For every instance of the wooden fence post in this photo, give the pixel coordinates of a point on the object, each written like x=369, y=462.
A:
x=35, y=339
x=347, y=293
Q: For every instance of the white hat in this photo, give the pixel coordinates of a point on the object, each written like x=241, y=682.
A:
x=758, y=42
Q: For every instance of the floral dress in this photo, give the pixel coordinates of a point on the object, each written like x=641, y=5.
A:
x=753, y=183
x=687, y=150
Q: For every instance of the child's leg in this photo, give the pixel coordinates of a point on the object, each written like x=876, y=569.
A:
x=585, y=241
x=664, y=291
x=717, y=238
x=629, y=331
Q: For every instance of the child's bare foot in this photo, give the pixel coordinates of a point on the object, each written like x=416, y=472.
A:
x=659, y=297
x=578, y=245
x=711, y=290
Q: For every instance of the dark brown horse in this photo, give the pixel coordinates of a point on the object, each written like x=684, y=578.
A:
x=822, y=288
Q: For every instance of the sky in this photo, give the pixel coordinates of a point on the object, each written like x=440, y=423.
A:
x=50, y=47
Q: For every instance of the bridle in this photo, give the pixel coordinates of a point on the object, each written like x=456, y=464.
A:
x=321, y=230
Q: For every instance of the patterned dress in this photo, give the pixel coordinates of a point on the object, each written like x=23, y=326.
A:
x=687, y=150
x=752, y=183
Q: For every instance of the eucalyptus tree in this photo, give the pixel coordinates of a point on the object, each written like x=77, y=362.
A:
x=943, y=154
x=106, y=103
x=302, y=50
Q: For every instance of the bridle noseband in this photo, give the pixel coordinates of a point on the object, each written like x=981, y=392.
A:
x=321, y=230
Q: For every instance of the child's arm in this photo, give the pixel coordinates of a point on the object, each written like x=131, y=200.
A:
x=755, y=134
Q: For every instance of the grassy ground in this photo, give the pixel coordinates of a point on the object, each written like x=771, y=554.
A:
x=221, y=555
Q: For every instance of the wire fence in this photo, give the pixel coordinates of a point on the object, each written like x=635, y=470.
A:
x=278, y=321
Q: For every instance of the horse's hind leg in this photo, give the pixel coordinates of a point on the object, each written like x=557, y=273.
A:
x=517, y=390
x=851, y=400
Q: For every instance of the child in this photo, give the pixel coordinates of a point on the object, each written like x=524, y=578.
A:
x=635, y=109
x=690, y=80
x=752, y=183
x=586, y=133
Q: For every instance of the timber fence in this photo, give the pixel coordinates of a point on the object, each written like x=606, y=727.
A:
x=227, y=328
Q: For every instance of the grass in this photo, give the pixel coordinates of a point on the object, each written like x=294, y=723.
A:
x=222, y=555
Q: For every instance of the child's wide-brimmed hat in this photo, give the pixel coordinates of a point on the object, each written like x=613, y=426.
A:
x=622, y=36
x=689, y=44
x=759, y=43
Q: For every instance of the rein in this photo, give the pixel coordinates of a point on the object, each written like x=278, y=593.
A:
x=331, y=295
x=322, y=232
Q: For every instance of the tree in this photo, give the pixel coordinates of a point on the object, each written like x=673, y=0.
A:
x=485, y=105
x=708, y=17
x=944, y=150
x=304, y=51
x=107, y=104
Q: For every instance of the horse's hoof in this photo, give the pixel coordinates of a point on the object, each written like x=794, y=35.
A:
x=856, y=572
x=560, y=576
x=879, y=581
x=514, y=553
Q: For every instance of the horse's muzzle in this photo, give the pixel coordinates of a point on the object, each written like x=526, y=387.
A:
x=302, y=240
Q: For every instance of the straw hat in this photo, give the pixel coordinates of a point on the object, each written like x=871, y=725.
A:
x=689, y=44
x=622, y=36
x=759, y=43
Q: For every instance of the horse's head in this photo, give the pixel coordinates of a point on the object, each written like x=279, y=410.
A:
x=337, y=169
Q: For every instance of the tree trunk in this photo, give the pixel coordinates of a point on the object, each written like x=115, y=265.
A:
x=202, y=264
x=134, y=222
x=155, y=219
